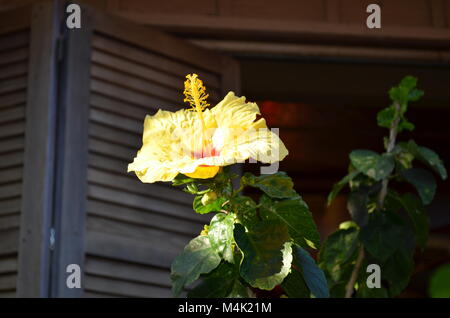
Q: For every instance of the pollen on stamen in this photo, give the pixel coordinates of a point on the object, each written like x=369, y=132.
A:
x=195, y=93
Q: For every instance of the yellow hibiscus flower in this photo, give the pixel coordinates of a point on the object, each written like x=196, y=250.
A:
x=198, y=141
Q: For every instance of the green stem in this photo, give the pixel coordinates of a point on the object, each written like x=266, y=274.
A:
x=390, y=147
x=349, y=288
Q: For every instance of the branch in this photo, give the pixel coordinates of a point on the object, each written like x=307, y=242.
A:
x=355, y=272
x=384, y=188
x=390, y=148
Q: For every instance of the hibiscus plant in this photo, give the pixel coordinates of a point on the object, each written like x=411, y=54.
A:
x=262, y=242
x=250, y=243
x=387, y=226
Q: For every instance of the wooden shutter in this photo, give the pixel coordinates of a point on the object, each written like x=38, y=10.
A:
x=72, y=106
x=134, y=230
x=14, y=52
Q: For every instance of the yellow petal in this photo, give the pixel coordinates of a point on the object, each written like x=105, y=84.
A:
x=235, y=112
x=204, y=172
x=259, y=143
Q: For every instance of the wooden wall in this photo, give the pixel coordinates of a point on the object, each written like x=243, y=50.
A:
x=14, y=50
x=134, y=230
x=424, y=13
x=102, y=83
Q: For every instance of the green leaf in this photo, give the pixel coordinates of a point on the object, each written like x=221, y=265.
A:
x=294, y=285
x=337, y=187
x=404, y=159
x=277, y=185
x=440, y=283
x=404, y=124
x=397, y=270
x=312, y=274
x=223, y=282
x=432, y=159
x=215, y=206
x=415, y=95
x=295, y=214
x=181, y=179
x=197, y=258
x=357, y=205
x=245, y=209
x=414, y=207
x=220, y=235
x=406, y=91
x=337, y=252
x=267, y=253
x=386, y=116
x=423, y=181
x=425, y=155
x=384, y=234
x=372, y=164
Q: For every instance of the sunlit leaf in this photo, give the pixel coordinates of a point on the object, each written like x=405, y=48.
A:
x=214, y=206
x=295, y=214
x=267, y=253
x=198, y=257
x=372, y=164
x=278, y=185
x=220, y=235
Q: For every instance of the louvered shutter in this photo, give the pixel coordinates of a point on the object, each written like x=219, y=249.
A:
x=14, y=53
x=134, y=230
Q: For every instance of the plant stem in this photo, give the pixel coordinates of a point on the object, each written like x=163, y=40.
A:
x=389, y=149
x=355, y=272
x=384, y=188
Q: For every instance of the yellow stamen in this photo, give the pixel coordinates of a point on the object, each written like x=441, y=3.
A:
x=195, y=95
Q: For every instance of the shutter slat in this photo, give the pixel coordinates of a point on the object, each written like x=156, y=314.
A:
x=140, y=217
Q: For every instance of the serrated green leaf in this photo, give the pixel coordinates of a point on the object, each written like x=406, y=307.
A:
x=404, y=124
x=397, y=270
x=278, y=185
x=408, y=82
x=414, y=207
x=425, y=155
x=440, y=282
x=372, y=164
x=223, y=282
x=295, y=214
x=215, y=206
x=415, y=94
x=386, y=116
x=294, y=285
x=267, y=253
x=312, y=274
x=337, y=187
x=432, y=159
x=337, y=252
x=423, y=181
x=385, y=233
x=406, y=91
x=197, y=258
x=245, y=209
x=220, y=233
